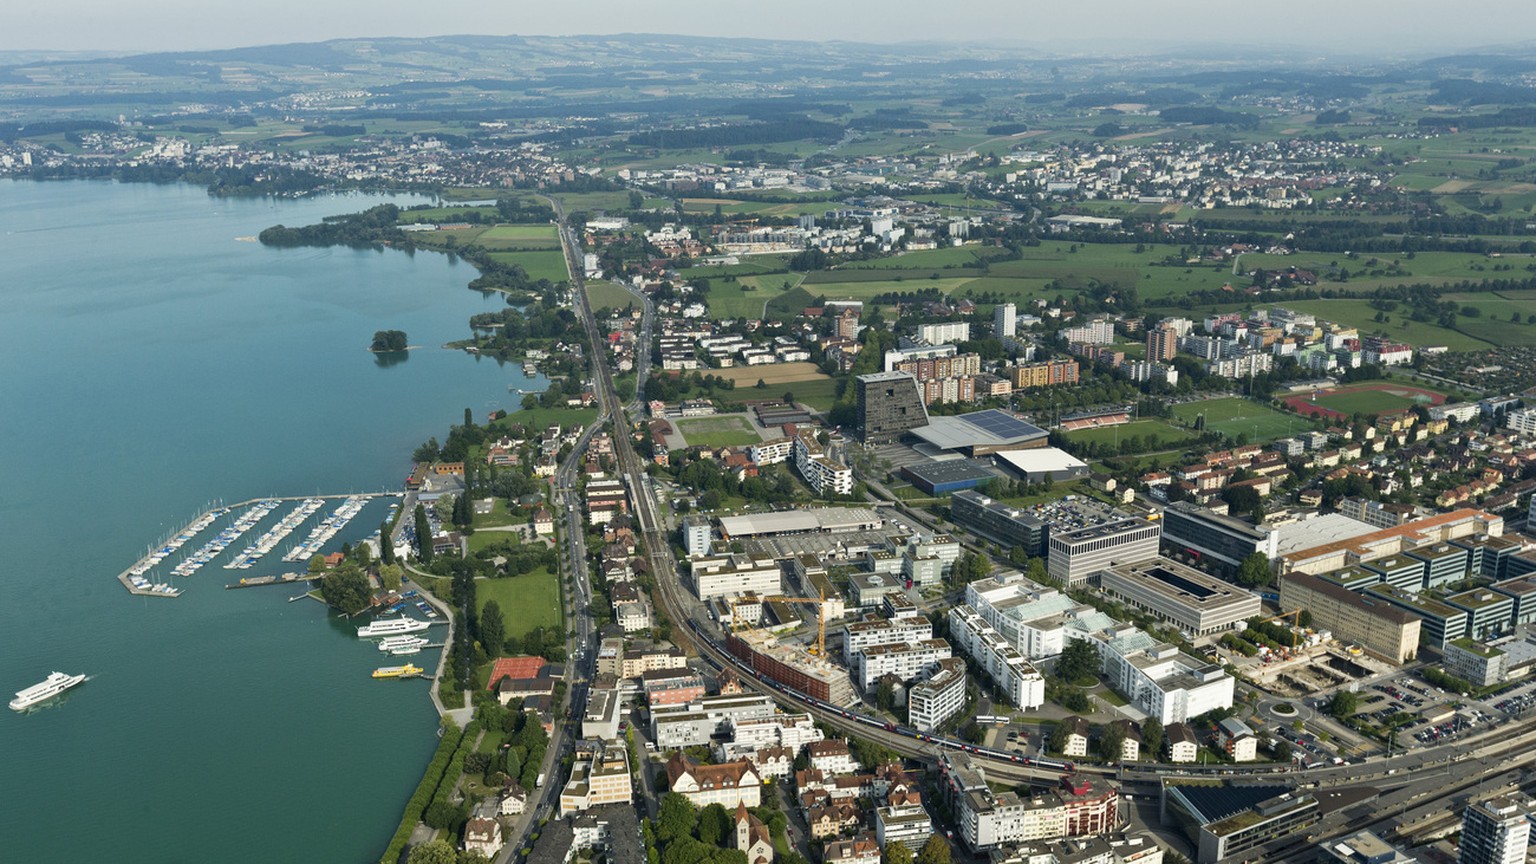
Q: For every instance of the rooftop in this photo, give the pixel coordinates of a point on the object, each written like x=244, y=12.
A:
x=990, y=428
x=1041, y=460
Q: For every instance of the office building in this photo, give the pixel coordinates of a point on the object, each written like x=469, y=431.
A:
x=1440, y=622
x=1362, y=847
x=889, y=404
x=1215, y=538
x=1494, y=832
x=1035, y=620
x=1225, y=819
x=1376, y=626
x=1193, y=601
x=723, y=575
x=601, y=777
x=1074, y=557
x=692, y=723
x=1004, y=320
x=1159, y=679
x=997, y=521
x=1439, y=528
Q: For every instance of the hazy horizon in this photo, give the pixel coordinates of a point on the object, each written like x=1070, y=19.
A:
x=1310, y=28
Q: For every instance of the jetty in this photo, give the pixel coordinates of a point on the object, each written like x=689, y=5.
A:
x=284, y=579
x=134, y=577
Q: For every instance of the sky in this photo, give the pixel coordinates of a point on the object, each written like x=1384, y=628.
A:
x=1312, y=27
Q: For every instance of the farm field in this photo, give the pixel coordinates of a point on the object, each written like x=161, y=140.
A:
x=1375, y=397
x=744, y=297
x=954, y=256
x=732, y=207
x=547, y=264
x=1156, y=431
x=1236, y=416
x=729, y=430
x=510, y=237
x=606, y=295
x=1358, y=313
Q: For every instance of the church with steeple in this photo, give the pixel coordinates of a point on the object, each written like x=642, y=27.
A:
x=753, y=837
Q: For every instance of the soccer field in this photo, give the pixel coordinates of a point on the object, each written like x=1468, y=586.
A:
x=1149, y=430
x=1235, y=416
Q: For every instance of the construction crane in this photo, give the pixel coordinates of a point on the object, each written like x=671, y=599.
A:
x=821, y=615
x=1295, y=630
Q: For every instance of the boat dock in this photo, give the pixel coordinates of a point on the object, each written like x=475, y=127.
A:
x=285, y=579
x=134, y=578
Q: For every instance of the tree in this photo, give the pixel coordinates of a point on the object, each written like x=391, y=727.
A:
x=789, y=397
x=1058, y=739
x=346, y=588
x=388, y=340
x=675, y=818
x=386, y=548
x=435, y=852
x=897, y=853
x=1343, y=704
x=1282, y=750
x=1111, y=741
x=714, y=825
x=1152, y=736
x=423, y=535
x=493, y=629
x=1079, y=660
x=935, y=851
x=885, y=694
x=391, y=576
x=1254, y=571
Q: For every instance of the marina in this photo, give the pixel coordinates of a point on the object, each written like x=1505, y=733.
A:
x=268, y=541
x=328, y=527
x=210, y=550
x=136, y=580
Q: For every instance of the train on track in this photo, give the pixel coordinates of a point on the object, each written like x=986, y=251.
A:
x=886, y=725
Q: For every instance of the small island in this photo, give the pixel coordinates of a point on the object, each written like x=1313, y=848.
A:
x=388, y=341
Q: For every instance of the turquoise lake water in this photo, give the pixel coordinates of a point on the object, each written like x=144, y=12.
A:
x=151, y=361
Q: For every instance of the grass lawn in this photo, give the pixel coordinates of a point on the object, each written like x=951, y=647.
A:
x=606, y=295
x=527, y=601
x=954, y=256
x=545, y=264
x=819, y=394
x=486, y=539
x=498, y=516
x=538, y=418
x=744, y=297
x=721, y=431
x=501, y=237
x=1236, y=416
x=1151, y=430
x=865, y=290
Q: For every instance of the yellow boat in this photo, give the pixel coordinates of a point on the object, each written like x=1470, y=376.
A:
x=407, y=671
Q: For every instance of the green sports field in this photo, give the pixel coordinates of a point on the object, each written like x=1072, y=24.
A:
x=1235, y=416
x=726, y=431
x=547, y=264
x=1156, y=431
x=606, y=295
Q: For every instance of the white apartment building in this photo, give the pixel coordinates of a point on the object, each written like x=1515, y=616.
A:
x=770, y=452
x=1004, y=320
x=938, y=334
x=908, y=825
x=1035, y=620
x=874, y=630
x=1099, y=331
x=721, y=575
x=819, y=470
x=1522, y=420
x=903, y=660
x=696, y=536
x=941, y=696
x=791, y=731
x=1013, y=674
x=685, y=725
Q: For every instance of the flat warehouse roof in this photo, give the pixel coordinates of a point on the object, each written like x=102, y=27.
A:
x=1043, y=459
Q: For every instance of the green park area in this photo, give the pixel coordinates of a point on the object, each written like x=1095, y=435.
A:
x=1237, y=416
x=527, y=601
x=718, y=431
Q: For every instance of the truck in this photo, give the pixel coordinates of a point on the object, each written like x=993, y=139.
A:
x=539, y=783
